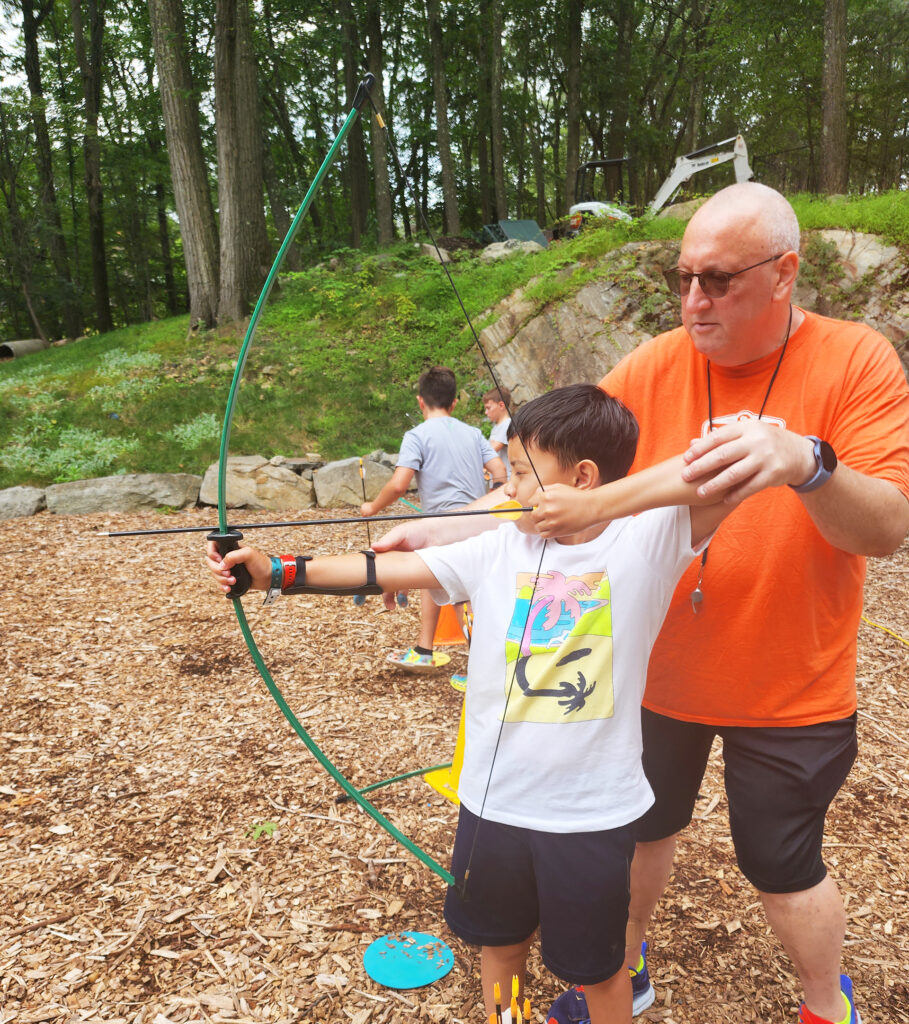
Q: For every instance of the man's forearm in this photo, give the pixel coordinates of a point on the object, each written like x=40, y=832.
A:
x=859, y=514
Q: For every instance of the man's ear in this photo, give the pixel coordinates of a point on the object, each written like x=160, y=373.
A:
x=586, y=475
x=787, y=271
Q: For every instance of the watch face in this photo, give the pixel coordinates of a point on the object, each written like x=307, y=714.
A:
x=828, y=457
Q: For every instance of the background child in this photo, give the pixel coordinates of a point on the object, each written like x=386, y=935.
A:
x=552, y=779
x=448, y=458
x=496, y=404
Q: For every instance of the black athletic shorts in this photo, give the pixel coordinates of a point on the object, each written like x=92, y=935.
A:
x=573, y=885
x=779, y=784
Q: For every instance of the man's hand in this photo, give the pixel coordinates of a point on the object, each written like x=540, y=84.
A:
x=258, y=564
x=747, y=457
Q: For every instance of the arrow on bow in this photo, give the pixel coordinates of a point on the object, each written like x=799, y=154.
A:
x=505, y=510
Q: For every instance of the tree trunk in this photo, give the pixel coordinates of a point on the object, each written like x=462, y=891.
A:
x=356, y=154
x=380, y=180
x=70, y=314
x=89, y=62
x=187, y=162
x=498, y=131
x=834, y=148
x=573, y=99
x=244, y=239
x=19, y=254
x=439, y=92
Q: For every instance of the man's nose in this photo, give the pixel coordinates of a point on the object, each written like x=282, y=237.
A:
x=696, y=298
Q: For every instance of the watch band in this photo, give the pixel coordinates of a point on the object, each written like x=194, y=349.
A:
x=825, y=461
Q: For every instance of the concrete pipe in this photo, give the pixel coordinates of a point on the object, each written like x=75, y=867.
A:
x=10, y=349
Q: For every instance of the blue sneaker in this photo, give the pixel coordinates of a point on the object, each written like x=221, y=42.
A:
x=571, y=1006
x=807, y=1017
x=642, y=993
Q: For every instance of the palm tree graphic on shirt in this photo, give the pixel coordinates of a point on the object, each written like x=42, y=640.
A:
x=559, y=648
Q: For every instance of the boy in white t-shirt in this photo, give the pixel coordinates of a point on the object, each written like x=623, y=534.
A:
x=552, y=781
x=496, y=404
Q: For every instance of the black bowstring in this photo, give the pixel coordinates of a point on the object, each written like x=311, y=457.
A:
x=462, y=887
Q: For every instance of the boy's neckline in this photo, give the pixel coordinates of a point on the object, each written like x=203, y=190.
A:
x=574, y=540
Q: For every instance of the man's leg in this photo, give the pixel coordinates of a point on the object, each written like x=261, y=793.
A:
x=674, y=757
x=650, y=871
x=609, y=1002
x=429, y=619
x=780, y=783
x=811, y=926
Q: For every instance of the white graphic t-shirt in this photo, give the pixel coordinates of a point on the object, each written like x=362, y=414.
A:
x=558, y=661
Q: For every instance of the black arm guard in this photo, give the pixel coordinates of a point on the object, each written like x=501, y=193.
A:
x=300, y=586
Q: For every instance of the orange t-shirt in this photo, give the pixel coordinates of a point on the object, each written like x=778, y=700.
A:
x=774, y=639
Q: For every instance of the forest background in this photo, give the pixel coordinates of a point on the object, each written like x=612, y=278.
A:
x=152, y=155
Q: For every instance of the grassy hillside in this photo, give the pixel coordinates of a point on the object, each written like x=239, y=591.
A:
x=332, y=369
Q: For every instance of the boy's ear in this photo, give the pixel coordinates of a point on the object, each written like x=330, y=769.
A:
x=586, y=474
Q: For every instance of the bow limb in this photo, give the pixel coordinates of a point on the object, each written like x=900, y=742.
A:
x=227, y=539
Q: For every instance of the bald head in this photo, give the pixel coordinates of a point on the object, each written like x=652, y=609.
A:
x=750, y=232
x=752, y=210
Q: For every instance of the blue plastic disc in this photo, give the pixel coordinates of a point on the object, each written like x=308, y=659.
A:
x=407, y=960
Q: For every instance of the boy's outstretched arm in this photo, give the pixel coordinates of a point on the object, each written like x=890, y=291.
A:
x=562, y=510
x=395, y=488
x=396, y=570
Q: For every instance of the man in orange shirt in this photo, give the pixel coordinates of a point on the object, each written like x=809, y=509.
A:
x=759, y=644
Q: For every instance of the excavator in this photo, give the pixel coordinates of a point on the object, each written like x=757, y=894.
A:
x=685, y=166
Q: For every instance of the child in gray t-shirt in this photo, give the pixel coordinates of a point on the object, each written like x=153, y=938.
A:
x=448, y=458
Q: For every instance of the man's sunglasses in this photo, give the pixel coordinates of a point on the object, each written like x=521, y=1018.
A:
x=714, y=283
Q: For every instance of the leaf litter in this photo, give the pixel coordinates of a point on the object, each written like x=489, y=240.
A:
x=171, y=852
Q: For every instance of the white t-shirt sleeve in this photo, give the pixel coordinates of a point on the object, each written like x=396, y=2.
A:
x=459, y=567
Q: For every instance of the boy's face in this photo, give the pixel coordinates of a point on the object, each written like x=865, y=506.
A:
x=494, y=410
x=523, y=483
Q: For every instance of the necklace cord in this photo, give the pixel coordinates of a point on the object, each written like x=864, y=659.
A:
x=776, y=370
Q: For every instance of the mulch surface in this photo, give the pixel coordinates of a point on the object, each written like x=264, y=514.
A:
x=170, y=851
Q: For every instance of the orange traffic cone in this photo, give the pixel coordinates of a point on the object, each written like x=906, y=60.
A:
x=448, y=629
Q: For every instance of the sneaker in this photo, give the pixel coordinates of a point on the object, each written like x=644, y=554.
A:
x=459, y=682
x=571, y=1006
x=411, y=661
x=642, y=993
x=807, y=1017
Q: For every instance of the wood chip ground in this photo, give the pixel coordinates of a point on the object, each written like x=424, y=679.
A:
x=170, y=851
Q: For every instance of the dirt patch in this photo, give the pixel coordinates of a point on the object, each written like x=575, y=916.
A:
x=170, y=851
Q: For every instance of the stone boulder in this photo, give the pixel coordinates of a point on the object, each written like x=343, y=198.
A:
x=21, y=501
x=255, y=482
x=497, y=250
x=338, y=483
x=131, y=492
x=439, y=255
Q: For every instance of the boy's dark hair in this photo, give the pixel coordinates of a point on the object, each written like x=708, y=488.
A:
x=578, y=422
x=499, y=394
x=438, y=388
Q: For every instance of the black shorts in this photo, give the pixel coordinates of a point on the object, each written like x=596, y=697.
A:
x=779, y=784
x=573, y=885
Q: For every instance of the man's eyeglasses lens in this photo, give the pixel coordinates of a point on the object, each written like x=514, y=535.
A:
x=714, y=283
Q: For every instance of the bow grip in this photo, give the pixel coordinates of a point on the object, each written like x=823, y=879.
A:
x=230, y=541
